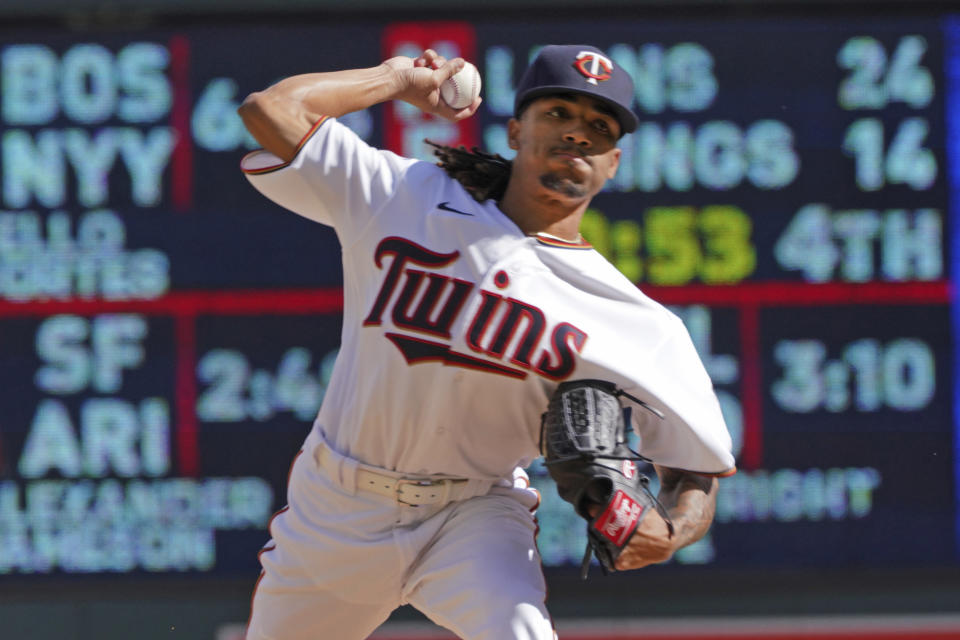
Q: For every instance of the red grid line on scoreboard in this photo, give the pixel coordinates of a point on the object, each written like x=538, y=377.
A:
x=238, y=302
x=184, y=307
x=747, y=298
x=181, y=160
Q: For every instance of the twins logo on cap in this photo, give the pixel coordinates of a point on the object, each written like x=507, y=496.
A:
x=579, y=69
x=590, y=64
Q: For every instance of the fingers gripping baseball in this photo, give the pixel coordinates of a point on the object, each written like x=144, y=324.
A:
x=446, y=69
x=421, y=79
x=430, y=59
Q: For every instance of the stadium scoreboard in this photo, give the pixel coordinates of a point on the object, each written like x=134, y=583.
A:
x=166, y=334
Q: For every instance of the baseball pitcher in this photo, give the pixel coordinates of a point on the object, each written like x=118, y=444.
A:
x=480, y=331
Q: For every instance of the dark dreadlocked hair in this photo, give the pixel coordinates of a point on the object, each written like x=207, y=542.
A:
x=484, y=175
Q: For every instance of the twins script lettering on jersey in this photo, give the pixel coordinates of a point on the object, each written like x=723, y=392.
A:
x=430, y=302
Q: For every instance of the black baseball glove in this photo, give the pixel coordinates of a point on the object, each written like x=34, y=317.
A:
x=583, y=440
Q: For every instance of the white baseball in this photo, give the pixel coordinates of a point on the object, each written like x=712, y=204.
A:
x=462, y=88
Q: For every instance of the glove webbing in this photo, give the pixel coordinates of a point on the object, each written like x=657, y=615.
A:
x=636, y=456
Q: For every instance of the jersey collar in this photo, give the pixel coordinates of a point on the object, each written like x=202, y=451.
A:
x=553, y=241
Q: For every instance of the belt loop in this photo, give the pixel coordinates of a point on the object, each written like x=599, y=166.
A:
x=347, y=470
x=447, y=486
x=340, y=469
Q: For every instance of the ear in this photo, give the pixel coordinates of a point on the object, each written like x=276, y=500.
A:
x=513, y=132
x=614, y=163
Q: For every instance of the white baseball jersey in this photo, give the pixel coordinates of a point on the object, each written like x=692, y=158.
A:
x=458, y=325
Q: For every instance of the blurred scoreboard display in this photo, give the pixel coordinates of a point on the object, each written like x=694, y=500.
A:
x=167, y=334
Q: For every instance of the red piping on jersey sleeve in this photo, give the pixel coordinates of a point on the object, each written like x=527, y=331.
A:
x=563, y=244
x=707, y=474
x=722, y=474
x=275, y=167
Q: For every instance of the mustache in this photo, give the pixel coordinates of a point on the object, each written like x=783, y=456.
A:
x=569, y=148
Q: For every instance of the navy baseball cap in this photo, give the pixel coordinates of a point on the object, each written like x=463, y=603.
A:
x=574, y=68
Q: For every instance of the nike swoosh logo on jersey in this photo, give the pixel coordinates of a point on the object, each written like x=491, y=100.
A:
x=446, y=207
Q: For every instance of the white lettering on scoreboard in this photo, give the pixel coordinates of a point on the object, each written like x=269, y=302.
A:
x=95, y=493
x=86, y=134
x=86, y=86
x=82, y=129
x=718, y=154
x=108, y=525
x=48, y=257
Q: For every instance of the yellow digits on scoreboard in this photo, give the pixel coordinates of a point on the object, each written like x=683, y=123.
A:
x=677, y=245
x=673, y=249
x=729, y=256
